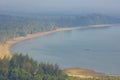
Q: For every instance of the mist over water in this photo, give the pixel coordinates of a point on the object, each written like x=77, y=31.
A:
x=61, y=6
x=97, y=49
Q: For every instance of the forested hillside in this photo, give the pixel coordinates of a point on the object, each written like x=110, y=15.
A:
x=25, y=68
x=22, y=67
x=14, y=26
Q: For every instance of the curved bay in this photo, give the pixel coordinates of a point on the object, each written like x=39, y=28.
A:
x=97, y=49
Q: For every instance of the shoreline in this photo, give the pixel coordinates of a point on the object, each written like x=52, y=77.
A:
x=83, y=73
x=12, y=42
x=5, y=49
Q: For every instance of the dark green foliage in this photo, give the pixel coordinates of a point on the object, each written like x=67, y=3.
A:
x=4, y=74
x=21, y=67
x=19, y=74
x=23, y=62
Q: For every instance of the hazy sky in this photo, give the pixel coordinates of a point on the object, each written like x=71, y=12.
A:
x=61, y=6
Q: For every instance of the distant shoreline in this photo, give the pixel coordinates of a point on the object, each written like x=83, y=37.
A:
x=5, y=49
x=39, y=34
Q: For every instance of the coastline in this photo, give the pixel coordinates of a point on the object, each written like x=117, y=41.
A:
x=83, y=73
x=5, y=49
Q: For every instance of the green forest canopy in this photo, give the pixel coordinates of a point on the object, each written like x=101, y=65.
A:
x=22, y=67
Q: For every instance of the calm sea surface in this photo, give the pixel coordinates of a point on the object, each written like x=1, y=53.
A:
x=97, y=49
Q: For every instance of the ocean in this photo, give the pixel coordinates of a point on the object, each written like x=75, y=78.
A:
x=93, y=48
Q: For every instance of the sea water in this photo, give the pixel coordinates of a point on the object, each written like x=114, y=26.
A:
x=92, y=48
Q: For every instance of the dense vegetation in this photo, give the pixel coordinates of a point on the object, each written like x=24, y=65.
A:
x=22, y=67
x=13, y=26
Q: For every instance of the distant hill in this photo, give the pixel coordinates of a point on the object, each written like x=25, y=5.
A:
x=12, y=26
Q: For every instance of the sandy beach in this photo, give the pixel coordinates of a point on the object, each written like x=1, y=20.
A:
x=83, y=73
x=5, y=49
x=75, y=72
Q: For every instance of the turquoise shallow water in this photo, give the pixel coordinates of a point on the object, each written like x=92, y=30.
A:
x=97, y=49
